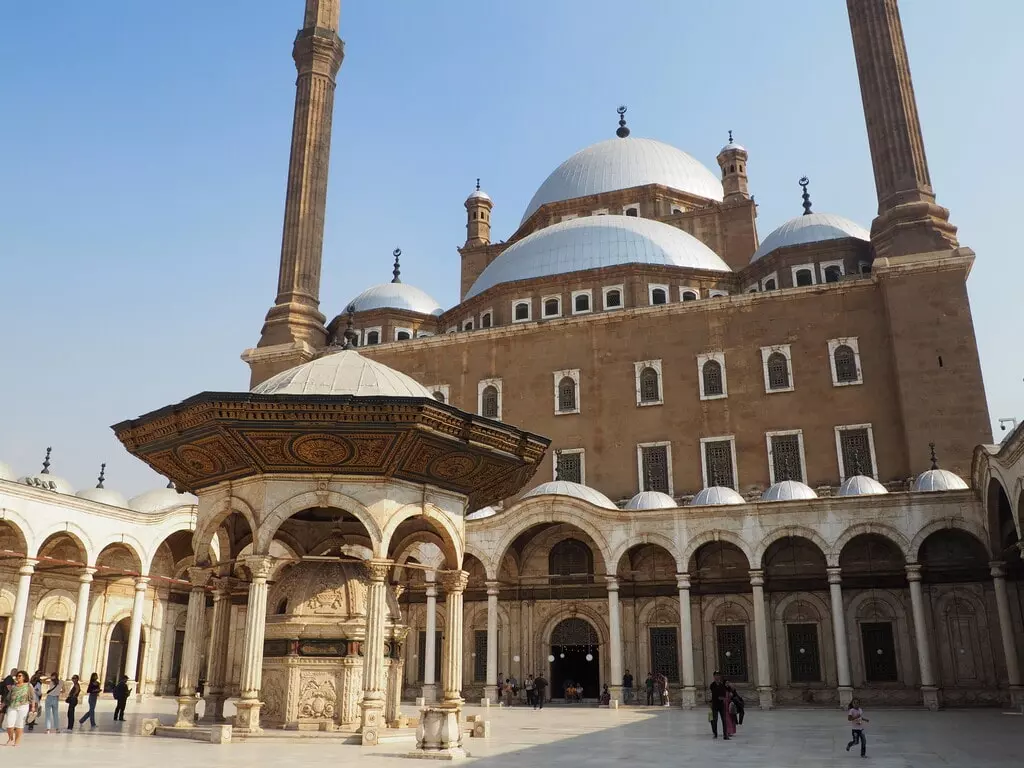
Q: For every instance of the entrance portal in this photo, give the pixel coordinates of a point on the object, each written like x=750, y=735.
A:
x=117, y=654
x=572, y=640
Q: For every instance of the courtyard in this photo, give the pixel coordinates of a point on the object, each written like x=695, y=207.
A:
x=583, y=736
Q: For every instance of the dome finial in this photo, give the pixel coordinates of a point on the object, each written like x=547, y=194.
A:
x=935, y=461
x=804, y=181
x=730, y=136
x=350, y=335
x=46, y=463
x=623, y=131
x=397, y=271
x=103, y=471
x=477, y=183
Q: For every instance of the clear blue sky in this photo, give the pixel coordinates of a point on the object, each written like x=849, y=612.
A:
x=145, y=144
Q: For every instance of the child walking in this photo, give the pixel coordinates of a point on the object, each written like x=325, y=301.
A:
x=855, y=716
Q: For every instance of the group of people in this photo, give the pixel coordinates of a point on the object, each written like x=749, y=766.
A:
x=535, y=687
x=21, y=696
x=727, y=706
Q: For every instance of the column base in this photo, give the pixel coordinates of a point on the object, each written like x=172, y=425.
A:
x=688, y=697
x=186, y=711
x=247, y=717
x=214, y=711
x=765, y=696
x=371, y=721
x=931, y=697
x=491, y=692
x=845, y=696
x=429, y=693
x=438, y=735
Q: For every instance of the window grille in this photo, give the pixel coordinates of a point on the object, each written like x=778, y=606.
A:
x=712, y=373
x=833, y=274
x=804, y=664
x=570, y=467
x=879, y=652
x=571, y=560
x=769, y=285
x=804, y=277
x=665, y=653
x=567, y=394
x=778, y=371
x=551, y=308
x=373, y=337
x=658, y=296
x=582, y=303
x=856, y=452
x=689, y=296
x=655, y=465
x=650, y=390
x=732, y=652
x=489, y=402
x=522, y=311
x=786, y=458
x=846, y=364
x=480, y=660
x=718, y=461
x=613, y=299
x=485, y=321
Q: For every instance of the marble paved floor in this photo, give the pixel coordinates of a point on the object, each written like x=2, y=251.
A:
x=583, y=738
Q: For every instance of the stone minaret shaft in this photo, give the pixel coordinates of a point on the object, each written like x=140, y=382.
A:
x=908, y=220
x=318, y=53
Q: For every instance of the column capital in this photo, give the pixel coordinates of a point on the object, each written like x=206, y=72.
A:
x=756, y=578
x=835, y=575
x=200, y=578
x=998, y=569
x=378, y=570
x=493, y=588
x=431, y=589
x=28, y=566
x=453, y=581
x=260, y=566
x=913, y=571
x=141, y=582
x=85, y=577
x=612, y=583
x=682, y=581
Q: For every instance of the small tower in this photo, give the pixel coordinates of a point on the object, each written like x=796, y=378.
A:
x=478, y=217
x=732, y=159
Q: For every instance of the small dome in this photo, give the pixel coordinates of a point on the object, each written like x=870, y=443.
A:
x=480, y=514
x=651, y=500
x=103, y=496
x=939, y=480
x=478, y=194
x=575, y=490
x=811, y=228
x=396, y=296
x=716, y=495
x=161, y=500
x=343, y=373
x=593, y=242
x=621, y=164
x=6, y=473
x=48, y=482
x=732, y=147
x=861, y=485
x=788, y=490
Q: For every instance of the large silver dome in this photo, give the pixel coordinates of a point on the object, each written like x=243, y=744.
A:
x=592, y=242
x=396, y=296
x=811, y=228
x=623, y=163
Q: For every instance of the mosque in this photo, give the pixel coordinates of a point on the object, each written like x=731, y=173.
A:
x=766, y=456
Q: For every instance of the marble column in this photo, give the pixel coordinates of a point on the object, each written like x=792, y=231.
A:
x=840, y=637
x=81, y=622
x=764, y=670
x=430, y=646
x=454, y=583
x=16, y=633
x=217, y=654
x=929, y=690
x=491, y=691
x=371, y=720
x=191, y=652
x=248, y=706
x=689, y=694
x=614, y=639
x=998, y=570
x=131, y=666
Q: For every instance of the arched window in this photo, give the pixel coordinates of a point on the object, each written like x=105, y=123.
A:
x=712, y=375
x=613, y=299
x=770, y=284
x=833, y=273
x=373, y=337
x=282, y=607
x=402, y=336
x=571, y=560
x=689, y=295
x=485, y=321
x=581, y=303
x=659, y=296
x=632, y=212
x=846, y=364
x=804, y=277
x=778, y=371
x=566, y=394
x=552, y=308
x=650, y=387
x=468, y=325
x=522, y=311
x=489, y=402
x=439, y=396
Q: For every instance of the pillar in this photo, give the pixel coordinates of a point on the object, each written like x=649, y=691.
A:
x=454, y=583
x=840, y=637
x=492, y=641
x=764, y=671
x=998, y=570
x=614, y=639
x=372, y=706
x=929, y=691
x=191, y=652
x=430, y=647
x=248, y=706
x=135, y=635
x=81, y=622
x=216, y=655
x=689, y=695
x=16, y=635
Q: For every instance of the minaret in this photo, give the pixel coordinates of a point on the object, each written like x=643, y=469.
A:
x=294, y=328
x=909, y=221
x=478, y=217
x=732, y=159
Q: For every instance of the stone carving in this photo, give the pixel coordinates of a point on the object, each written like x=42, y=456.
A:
x=454, y=466
x=273, y=697
x=317, y=698
x=453, y=581
x=321, y=450
x=198, y=459
x=271, y=447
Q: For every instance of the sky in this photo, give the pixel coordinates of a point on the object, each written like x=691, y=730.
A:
x=144, y=148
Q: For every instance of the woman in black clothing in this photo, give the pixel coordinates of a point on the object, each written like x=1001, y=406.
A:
x=93, y=692
x=72, y=701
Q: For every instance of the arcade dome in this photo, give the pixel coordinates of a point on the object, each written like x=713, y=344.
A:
x=651, y=500
x=623, y=163
x=160, y=500
x=396, y=296
x=480, y=514
x=788, y=490
x=103, y=496
x=592, y=242
x=716, y=495
x=345, y=372
x=939, y=480
x=48, y=482
x=861, y=485
x=573, y=490
x=810, y=228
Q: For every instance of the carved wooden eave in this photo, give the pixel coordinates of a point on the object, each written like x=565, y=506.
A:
x=218, y=436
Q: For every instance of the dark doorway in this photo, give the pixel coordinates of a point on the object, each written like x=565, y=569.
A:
x=117, y=654
x=50, y=648
x=572, y=641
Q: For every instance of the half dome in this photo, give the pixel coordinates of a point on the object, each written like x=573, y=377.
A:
x=103, y=496
x=48, y=482
x=789, y=490
x=716, y=495
x=161, y=500
x=396, y=296
x=861, y=485
x=481, y=514
x=621, y=164
x=651, y=500
x=939, y=480
x=811, y=228
x=573, y=490
x=345, y=372
x=593, y=242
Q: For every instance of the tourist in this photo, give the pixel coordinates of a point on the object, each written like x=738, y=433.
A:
x=93, y=693
x=530, y=691
x=855, y=716
x=718, y=712
x=37, y=687
x=606, y=696
x=627, y=687
x=121, y=694
x=649, y=686
x=737, y=705
x=21, y=701
x=507, y=690
x=52, y=704
x=541, y=684
x=515, y=687
x=72, y=701
x=5, y=686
